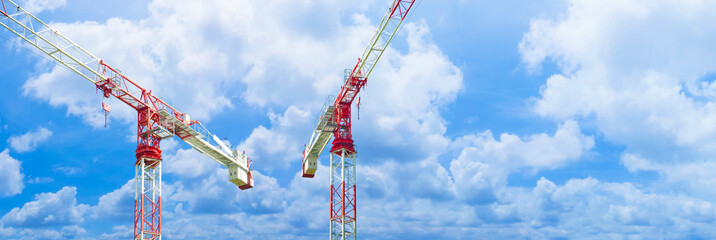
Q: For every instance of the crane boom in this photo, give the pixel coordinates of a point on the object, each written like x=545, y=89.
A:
x=328, y=122
x=157, y=120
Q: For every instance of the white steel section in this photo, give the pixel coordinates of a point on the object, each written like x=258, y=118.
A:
x=335, y=234
x=343, y=177
x=378, y=43
x=320, y=137
x=148, y=182
x=51, y=42
x=210, y=145
x=203, y=141
x=221, y=144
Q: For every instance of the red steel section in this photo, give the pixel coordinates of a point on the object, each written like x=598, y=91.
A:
x=343, y=203
x=303, y=165
x=4, y=11
x=350, y=198
x=251, y=167
x=147, y=214
x=343, y=138
x=337, y=199
x=117, y=85
x=402, y=7
x=148, y=221
x=147, y=143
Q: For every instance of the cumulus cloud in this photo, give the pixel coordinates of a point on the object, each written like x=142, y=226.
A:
x=66, y=232
x=644, y=82
x=188, y=163
x=37, y=6
x=48, y=209
x=118, y=204
x=29, y=141
x=580, y=208
x=510, y=153
x=120, y=232
x=400, y=109
x=277, y=147
x=643, y=72
x=622, y=210
x=11, y=176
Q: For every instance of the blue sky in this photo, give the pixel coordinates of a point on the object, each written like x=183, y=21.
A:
x=564, y=119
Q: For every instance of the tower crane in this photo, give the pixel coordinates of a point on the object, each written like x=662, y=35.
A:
x=335, y=121
x=157, y=120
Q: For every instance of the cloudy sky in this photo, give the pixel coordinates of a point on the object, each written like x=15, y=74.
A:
x=516, y=119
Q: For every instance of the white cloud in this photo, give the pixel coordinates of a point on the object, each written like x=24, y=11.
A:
x=29, y=141
x=188, y=163
x=277, y=147
x=641, y=72
x=510, y=153
x=48, y=209
x=66, y=232
x=67, y=171
x=37, y=6
x=120, y=232
x=11, y=176
x=622, y=210
x=118, y=204
x=37, y=180
x=639, y=68
x=400, y=105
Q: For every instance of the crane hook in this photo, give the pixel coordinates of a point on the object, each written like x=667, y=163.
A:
x=106, y=109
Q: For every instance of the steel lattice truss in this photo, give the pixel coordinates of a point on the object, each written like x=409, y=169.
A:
x=343, y=195
x=148, y=199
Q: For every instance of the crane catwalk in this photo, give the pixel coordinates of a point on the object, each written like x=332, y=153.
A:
x=335, y=121
x=156, y=120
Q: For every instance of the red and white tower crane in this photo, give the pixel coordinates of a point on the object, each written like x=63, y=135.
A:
x=157, y=120
x=335, y=120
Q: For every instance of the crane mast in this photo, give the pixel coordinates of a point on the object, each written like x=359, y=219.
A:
x=157, y=120
x=335, y=121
